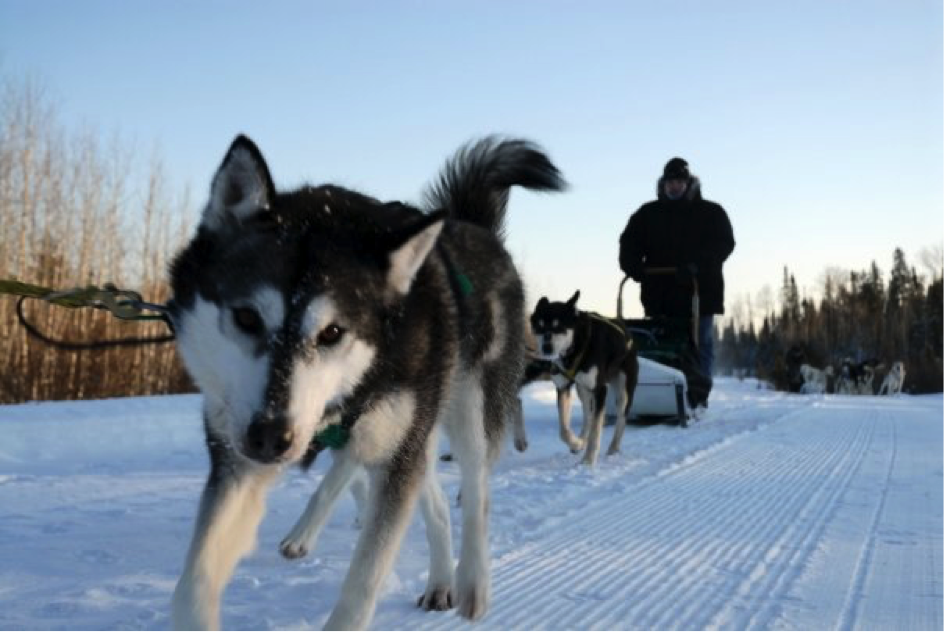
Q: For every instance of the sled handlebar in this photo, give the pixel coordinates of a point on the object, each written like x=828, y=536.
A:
x=661, y=270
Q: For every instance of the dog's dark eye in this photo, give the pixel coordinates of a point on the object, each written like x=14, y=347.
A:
x=248, y=320
x=330, y=335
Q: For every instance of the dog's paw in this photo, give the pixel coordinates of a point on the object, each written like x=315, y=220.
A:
x=612, y=451
x=191, y=609
x=292, y=549
x=472, y=602
x=473, y=591
x=438, y=598
x=521, y=445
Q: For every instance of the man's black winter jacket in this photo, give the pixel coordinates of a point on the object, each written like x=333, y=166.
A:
x=677, y=233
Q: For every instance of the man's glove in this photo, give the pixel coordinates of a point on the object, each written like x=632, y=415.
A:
x=685, y=274
x=635, y=272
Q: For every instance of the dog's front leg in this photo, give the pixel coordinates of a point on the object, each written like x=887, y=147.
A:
x=231, y=509
x=438, y=595
x=623, y=401
x=360, y=492
x=301, y=538
x=468, y=436
x=594, y=410
x=394, y=490
x=564, y=393
x=520, y=436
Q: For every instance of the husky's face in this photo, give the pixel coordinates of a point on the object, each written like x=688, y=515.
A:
x=284, y=302
x=553, y=326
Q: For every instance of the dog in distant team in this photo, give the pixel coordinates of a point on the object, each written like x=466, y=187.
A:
x=593, y=354
x=856, y=378
x=815, y=380
x=321, y=317
x=894, y=381
x=866, y=379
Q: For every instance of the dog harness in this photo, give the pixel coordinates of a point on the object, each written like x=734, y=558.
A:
x=336, y=435
x=571, y=372
x=333, y=437
x=461, y=283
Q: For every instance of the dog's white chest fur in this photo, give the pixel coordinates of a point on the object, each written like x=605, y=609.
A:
x=587, y=379
x=378, y=433
x=560, y=381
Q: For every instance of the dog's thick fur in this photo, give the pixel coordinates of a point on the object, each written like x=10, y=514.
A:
x=322, y=307
x=856, y=378
x=894, y=381
x=815, y=381
x=593, y=354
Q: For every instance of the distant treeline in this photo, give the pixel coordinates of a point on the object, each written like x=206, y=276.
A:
x=859, y=317
x=70, y=216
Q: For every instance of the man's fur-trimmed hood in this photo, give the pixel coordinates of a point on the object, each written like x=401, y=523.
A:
x=692, y=193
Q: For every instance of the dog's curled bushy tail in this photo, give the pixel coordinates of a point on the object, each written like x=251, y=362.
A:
x=473, y=186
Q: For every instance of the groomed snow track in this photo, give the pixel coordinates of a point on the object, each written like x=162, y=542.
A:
x=773, y=512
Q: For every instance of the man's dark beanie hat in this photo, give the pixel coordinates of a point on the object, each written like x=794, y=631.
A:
x=676, y=168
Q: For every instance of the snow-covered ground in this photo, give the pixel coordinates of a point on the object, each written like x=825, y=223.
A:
x=774, y=512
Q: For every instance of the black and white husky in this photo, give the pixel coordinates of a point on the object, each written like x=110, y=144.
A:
x=321, y=316
x=894, y=381
x=594, y=354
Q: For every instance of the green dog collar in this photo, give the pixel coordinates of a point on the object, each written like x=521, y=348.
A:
x=334, y=437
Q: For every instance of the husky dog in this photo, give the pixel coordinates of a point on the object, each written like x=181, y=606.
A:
x=894, y=381
x=320, y=313
x=815, y=380
x=846, y=383
x=855, y=378
x=593, y=353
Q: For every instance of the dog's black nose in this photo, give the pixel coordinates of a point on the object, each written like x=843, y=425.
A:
x=547, y=348
x=268, y=438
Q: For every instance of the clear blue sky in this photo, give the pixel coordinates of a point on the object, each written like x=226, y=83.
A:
x=818, y=125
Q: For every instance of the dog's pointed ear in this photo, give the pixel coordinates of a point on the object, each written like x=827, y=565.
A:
x=411, y=249
x=573, y=299
x=542, y=303
x=241, y=187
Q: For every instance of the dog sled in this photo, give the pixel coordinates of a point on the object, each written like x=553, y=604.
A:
x=670, y=384
x=671, y=381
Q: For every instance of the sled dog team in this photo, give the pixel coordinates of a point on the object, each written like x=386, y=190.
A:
x=323, y=318
x=853, y=378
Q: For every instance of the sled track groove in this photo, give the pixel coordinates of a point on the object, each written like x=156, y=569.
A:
x=722, y=535
x=650, y=516
x=640, y=563
x=757, y=596
x=550, y=568
x=850, y=609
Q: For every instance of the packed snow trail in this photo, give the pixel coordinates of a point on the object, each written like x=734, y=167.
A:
x=726, y=539
x=773, y=512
